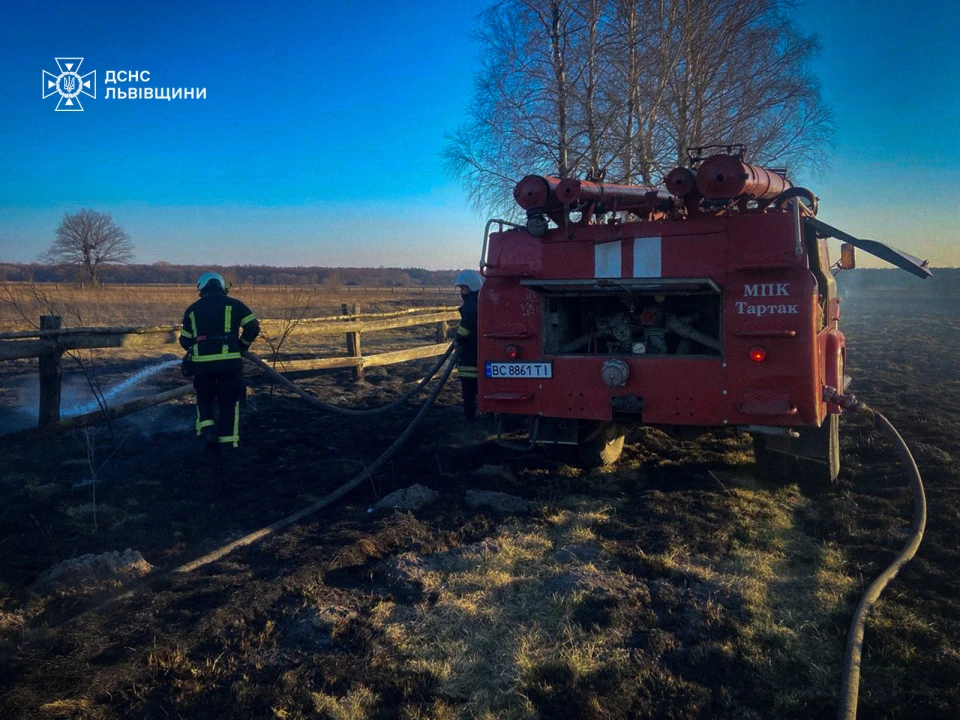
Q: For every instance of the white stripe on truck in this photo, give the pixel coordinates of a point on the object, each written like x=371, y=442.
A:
x=646, y=257
x=606, y=260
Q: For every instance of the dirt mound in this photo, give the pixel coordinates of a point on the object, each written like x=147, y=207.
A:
x=493, y=473
x=597, y=583
x=577, y=553
x=411, y=498
x=90, y=572
x=405, y=575
x=924, y=452
x=501, y=502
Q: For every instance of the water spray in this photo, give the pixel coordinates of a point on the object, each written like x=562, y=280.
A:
x=117, y=390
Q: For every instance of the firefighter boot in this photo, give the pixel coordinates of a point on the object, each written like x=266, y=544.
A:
x=211, y=441
x=469, y=389
x=209, y=435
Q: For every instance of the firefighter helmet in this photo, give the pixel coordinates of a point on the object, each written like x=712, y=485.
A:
x=207, y=278
x=471, y=279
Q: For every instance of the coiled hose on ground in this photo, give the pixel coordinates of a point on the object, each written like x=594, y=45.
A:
x=317, y=402
x=850, y=686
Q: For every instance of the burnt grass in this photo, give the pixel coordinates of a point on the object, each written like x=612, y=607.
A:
x=644, y=570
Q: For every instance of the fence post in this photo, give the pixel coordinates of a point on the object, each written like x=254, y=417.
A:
x=51, y=375
x=441, y=331
x=353, y=341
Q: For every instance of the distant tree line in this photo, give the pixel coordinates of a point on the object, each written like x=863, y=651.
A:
x=944, y=279
x=944, y=283
x=164, y=272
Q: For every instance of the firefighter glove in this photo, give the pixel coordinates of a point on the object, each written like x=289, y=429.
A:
x=186, y=366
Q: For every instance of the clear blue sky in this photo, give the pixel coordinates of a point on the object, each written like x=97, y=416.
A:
x=320, y=138
x=891, y=71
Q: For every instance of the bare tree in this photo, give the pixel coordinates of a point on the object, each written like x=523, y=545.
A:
x=86, y=240
x=298, y=307
x=522, y=116
x=624, y=88
x=644, y=55
x=743, y=76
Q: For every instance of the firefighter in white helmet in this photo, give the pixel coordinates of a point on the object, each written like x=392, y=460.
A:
x=468, y=282
x=217, y=331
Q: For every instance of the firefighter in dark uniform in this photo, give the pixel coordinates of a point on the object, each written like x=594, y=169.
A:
x=217, y=332
x=468, y=282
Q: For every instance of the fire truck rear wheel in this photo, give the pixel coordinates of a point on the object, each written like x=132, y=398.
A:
x=599, y=443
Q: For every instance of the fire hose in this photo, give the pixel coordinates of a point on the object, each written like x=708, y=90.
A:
x=317, y=402
x=368, y=472
x=850, y=686
x=284, y=523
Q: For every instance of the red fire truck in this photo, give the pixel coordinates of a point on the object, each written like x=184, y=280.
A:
x=710, y=304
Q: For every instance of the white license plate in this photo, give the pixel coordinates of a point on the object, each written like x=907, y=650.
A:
x=519, y=370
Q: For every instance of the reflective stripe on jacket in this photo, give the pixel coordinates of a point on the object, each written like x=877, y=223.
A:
x=466, y=371
x=215, y=329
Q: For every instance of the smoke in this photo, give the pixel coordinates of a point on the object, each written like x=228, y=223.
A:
x=24, y=413
x=165, y=418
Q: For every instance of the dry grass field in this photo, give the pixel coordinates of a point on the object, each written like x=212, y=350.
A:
x=677, y=584
x=21, y=304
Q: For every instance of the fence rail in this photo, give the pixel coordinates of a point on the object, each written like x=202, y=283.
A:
x=37, y=343
x=50, y=342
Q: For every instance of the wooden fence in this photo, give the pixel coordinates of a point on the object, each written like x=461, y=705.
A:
x=51, y=341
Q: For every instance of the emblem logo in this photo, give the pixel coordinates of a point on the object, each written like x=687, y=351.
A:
x=70, y=84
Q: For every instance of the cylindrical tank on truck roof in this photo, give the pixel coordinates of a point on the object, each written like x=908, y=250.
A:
x=724, y=176
x=681, y=181
x=537, y=192
x=613, y=197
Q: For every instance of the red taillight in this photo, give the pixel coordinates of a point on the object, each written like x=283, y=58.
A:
x=758, y=354
x=513, y=352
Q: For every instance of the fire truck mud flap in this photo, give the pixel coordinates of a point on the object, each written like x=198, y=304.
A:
x=599, y=443
x=812, y=459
